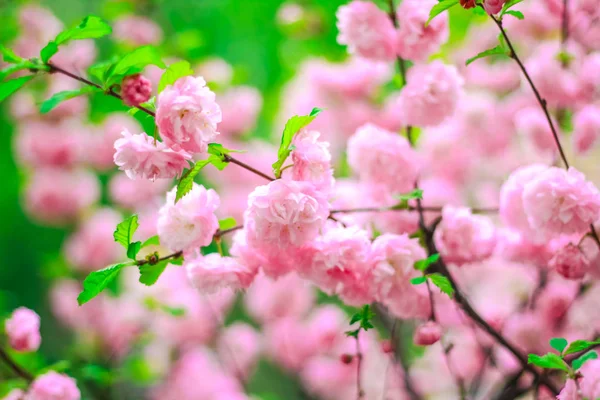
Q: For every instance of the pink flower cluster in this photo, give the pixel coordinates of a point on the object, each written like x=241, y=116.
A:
x=23, y=330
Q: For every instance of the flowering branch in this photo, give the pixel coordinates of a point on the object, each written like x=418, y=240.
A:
x=16, y=368
x=409, y=208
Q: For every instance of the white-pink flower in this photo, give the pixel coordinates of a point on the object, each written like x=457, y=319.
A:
x=559, y=201
x=212, y=272
x=53, y=386
x=383, y=157
x=142, y=156
x=416, y=39
x=312, y=160
x=285, y=213
x=191, y=222
x=366, y=30
x=23, y=330
x=586, y=128
x=187, y=115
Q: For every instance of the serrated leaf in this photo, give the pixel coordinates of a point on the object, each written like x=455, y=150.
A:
x=227, y=223
x=9, y=87
x=578, y=362
x=133, y=249
x=149, y=274
x=9, y=56
x=186, y=183
x=292, y=127
x=125, y=231
x=97, y=281
x=133, y=63
x=558, y=344
x=173, y=72
x=418, y=280
x=548, y=361
x=91, y=27
x=490, y=52
x=153, y=241
x=440, y=8
x=49, y=104
x=516, y=14
x=580, y=345
x=422, y=265
x=442, y=283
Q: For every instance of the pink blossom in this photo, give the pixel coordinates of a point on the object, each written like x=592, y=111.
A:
x=586, y=129
x=559, y=201
x=56, y=196
x=23, y=330
x=286, y=343
x=533, y=124
x=416, y=39
x=312, y=160
x=191, y=222
x=240, y=106
x=100, y=147
x=590, y=76
x=187, y=115
x=462, y=237
x=570, y=262
x=53, y=386
x=431, y=94
x=366, y=30
x=137, y=193
x=72, y=107
x=569, y=392
x=137, y=30
x=556, y=299
x=493, y=6
x=212, y=273
x=15, y=394
x=590, y=384
x=142, y=156
x=135, y=89
x=286, y=213
x=383, y=157
x=215, y=70
x=239, y=347
x=427, y=334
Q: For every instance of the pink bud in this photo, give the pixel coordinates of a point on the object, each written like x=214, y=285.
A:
x=135, y=90
x=570, y=262
x=387, y=346
x=23, y=330
x=427, y=334
x=346, y=358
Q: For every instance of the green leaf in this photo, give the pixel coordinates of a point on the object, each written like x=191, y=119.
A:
x=174, y=72
x=48, y=51
x=91, y=27
x=9, y=87
x=418, y=280
x=355, y=318
x=133, y=249
x=404, y=198
x=292, y=127
x=442, y=283
x=133, y=63
x=353, y=334
x=509, y=4
x=227, y=223
x=153, y=241
x=422, y=265
x=9, y=56
x=439, y=8
x=577, y=363
x=11, y=69
x=186, y=183
x=98, y=374
x=490, y=52
x=549, y=361
x=49, y=104
x=218, y=150
x=59, y=366
x=97, y=281
x=100, y=69
x=149, y=274
x=580, y=345
x=125, y=230
x=516, y=14
x=558, y=344
x=153, y=304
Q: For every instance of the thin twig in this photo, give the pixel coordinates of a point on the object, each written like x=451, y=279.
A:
x=564, y=34
x=359, y=391
x=409, y=208
x=16, y=368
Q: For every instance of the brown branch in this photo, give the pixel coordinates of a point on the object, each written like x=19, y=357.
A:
x=359, y=391
x=410, y=208
x=16, y=368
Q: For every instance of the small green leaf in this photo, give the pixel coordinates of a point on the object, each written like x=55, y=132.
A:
x=173, y=73
x=9, y=87
x=422, y=265
x=100, y=69
x=48, y=51
x=227, y=223
x=353, y=334
x=133, y=63
x=153, y=241
x=490, y=52
x=133, y=249
x=9, y=56
x=558, y=344
x=418, y=280
x=509, y=4
x=125, y=230
x=292, y=127
x=355, y=318
x=442, y=283
x=218, y=150
x=404, y=198
x=11, y=69
x=580, y=345
x=57, y=98
x=153, y=304
x=549, y=361
x=149, y=274
x=516, y=14
x=439, y=8
x=97, y=281
x=186, y=183
x=97, y=374
x=578, y=362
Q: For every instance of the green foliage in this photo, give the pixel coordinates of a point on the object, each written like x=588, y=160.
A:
x=508, y=5
x=152, y=241
x=124, y=235
x=153, y=304
x=498, y=50
x=439, y=8
x=97, y=281
x=57, y=98
x=404, y=198
x=133, y=63
x=363, y=317
x=11, y=69
x=9, y=56
x=418, y=280
x=133, y=249
x=422, y=265
x=516, y=14
x=292, y=127
x=548, y=361
x=59, y=366
x=580, y=345
x=174, y=71
x=90, y=28
x=186, y=183
x=9, y=87
x=578, y=362
x=442, y=283
x=149, y=273
x=227, y=223
x=559, y=344
x=98, y=374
